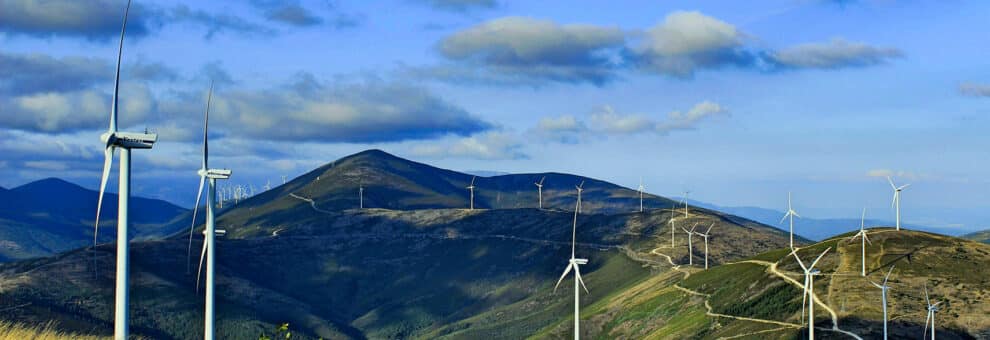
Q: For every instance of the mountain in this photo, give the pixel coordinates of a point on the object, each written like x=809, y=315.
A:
x=761, y=295
x=391, y=182
x=52, y=215
x=413, y=271
x=979, y=236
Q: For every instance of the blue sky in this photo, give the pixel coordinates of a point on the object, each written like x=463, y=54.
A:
x=737, y=102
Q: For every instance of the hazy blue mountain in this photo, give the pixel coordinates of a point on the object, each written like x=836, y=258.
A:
x=979, y=236
x=813, y=228
x=52, y=215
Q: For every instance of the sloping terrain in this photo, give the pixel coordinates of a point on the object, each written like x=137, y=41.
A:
x=370, y=273
x=48, y=216
x=979, y=236
x=760, y=297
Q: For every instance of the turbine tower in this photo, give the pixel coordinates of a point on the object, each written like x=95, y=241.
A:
x=641, y=188
x=580, y=188
x=573, y=263
x=471, y=187
x=862, y=234
x=125, y=141
x=930, y=319
x=539, y=188
x=790, y=214
x=883, y=291
x=705, y=236
x=210, y=232
x=896, y=203
x=361, y=196
x=690, y=250
x=809, y=289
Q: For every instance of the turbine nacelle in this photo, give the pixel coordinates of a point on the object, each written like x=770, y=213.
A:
x=215, y=173
x=129, y=140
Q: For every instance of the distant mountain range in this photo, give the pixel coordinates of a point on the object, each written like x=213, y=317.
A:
x=979, y=236
x=51, y=215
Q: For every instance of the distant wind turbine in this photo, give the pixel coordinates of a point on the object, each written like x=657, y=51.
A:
x=896, y=203
x=580, y=189
x=573, y=263
x=862, y=234
x=641, y=188
x=930, y=319
x=671, y=222
x=539, y=188
x=690, y=249
x=471, y=187
x=361, y=196
x=268, y=185
x=883, y=291
x=705, y=236
x=210, y=232
x=809, y=289
x=790, y=214
x=283, y=179
x=685, y=203
x=125, y=141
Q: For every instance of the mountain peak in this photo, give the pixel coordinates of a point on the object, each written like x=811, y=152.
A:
x=50, y=184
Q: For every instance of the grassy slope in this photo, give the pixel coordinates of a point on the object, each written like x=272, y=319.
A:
x=948, y=265
x=979, y=236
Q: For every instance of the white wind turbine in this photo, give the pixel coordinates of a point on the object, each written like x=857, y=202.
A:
x=125, y=141
x=896, y=203
x=862, y=234
x=685, y=203
x=930, y=319
x=210, y=232
x=539, y=188
x=883, y=291
x=809, y=289
x=671, y=222
x=361, y=196
x=580, y=189
x=705, y=236
x=690, y=249
x=573, y=263
x=641, y=188
x=471, y=187
x=790, y=214
x=268, y=185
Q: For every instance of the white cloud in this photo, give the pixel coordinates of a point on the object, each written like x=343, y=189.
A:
x=677, y=120
x=491, y=145
x=47, y=165
x=688, y=41
x=605, y=119
x=837, y=53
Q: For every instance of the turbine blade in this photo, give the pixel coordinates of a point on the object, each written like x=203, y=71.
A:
x=107, y=160
x=867, y=239
x=795, y=214
x=804, y=297
x=904, y=186
x=577, y=276
x=206, y=128
x=820, y=257
x=472, y=180
x=796, y=257
x=116, y=80
x=893, y=201
x=928, y=319
x=542, y=179
x=888, y=275
x=892, y=186
x=927, y=302
x=782, y=219
x=199, y=272
x=199, y=194
x=709, y=229
x=562, y=276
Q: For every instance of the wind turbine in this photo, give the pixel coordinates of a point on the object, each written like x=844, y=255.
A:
x=268, y=185
x=573, y=263
x=361, y=196
x=539, y=188
x=809, y=289
x=671, y=222
x=896, y=203
x=883, y=291
x=471, y=187
x=790, y=214
x=210, y=232
x=580, y=188
x=690, y=250
x=930, y=319
x=641, y=188
x=705, y=236
x=685, y=203
x=283, y=179
x=862, y=233
x=125, y=141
